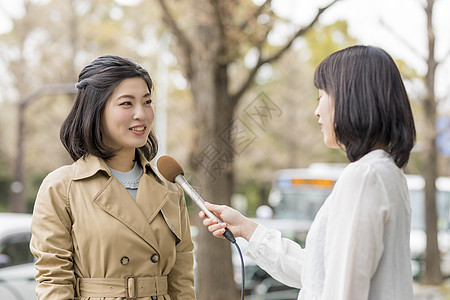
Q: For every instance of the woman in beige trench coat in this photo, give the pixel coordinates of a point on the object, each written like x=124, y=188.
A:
x=94, y=236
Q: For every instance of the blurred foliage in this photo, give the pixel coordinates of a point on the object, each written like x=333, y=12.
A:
x=31, y=187
x=324, y=40
x=255, y=193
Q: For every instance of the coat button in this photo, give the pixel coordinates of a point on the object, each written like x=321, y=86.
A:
x=154, y=258
x=124, y=260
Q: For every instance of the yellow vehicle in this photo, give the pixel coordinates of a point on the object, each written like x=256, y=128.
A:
x=297, y=194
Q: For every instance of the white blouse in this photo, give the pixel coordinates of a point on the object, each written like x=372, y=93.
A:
x=357, y=246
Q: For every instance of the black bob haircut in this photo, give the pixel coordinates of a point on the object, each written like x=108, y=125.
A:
x=372, y=109
x=81, y=131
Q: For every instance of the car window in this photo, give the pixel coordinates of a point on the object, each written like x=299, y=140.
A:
x=16, y=249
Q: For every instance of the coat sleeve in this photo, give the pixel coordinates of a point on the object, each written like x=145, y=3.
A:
x=181, y=277
x=51, y=241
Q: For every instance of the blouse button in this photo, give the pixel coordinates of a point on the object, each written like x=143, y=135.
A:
x=154, y=258
x=124, y=260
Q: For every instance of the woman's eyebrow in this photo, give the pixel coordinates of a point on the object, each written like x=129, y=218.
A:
x=125, y=96
x=146, y=95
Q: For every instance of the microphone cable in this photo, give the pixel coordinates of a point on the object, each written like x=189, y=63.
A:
x=230, y=237
x=243, y=269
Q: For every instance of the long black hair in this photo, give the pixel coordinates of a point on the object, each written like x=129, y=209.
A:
x=372, y=109
x=81, y=131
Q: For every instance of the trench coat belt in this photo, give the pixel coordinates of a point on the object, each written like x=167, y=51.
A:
x=130, y=287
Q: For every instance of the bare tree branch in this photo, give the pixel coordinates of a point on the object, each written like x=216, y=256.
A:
x=300, y=32
x=220, y=25
x=260, y=43
x=256, y=42
x=255, y=15
x=263, y=41
x=402, y=39
x=183, y=41
x=278, y=54
x=50, y=89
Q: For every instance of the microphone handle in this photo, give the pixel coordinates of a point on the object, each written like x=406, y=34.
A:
x=198, y=200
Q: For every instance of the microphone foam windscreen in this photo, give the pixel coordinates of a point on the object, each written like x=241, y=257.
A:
x=169, y=168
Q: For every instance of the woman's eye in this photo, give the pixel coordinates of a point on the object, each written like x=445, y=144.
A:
x=127, y=103
x=148, y=102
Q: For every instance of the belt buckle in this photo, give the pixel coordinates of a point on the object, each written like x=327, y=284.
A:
x=127, y=288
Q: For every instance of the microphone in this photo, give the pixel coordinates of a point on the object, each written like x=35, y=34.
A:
x=173, y=172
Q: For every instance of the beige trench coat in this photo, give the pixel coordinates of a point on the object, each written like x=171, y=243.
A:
x=88, y=235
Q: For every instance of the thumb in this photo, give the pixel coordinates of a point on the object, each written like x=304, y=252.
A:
x=213, y=208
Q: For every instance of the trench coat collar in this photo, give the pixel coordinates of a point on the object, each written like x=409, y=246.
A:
x=88, y=166
x=136, y=214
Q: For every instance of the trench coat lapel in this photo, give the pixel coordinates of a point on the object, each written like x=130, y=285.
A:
x=151, y=196
x=113, y=198
x=116, y=201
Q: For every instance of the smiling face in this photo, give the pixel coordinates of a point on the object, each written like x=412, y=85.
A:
x=128, y=115
x=325, y=113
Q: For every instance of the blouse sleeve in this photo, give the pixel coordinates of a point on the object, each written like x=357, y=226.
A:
x=282, y=258
x=354, y=233
x=51, y=242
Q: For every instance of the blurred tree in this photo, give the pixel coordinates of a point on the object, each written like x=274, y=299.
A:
x=33, y=43
x=427, y=135
x=214, y=37
x=293, y=138
x=39, y=52
x=432, y=274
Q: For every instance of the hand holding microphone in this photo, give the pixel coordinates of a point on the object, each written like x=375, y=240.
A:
x=240, y=225
x=172, y=171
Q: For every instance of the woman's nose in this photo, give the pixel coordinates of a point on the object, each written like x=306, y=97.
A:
x=316, y=112
x=139, y=112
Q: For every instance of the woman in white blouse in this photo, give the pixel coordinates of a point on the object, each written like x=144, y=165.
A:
x=358, y=244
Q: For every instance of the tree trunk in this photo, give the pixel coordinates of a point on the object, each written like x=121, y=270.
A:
x=213, y=167
x=432, y=273
x=212, y=162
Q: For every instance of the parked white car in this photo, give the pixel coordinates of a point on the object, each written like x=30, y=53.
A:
x=17, y=270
